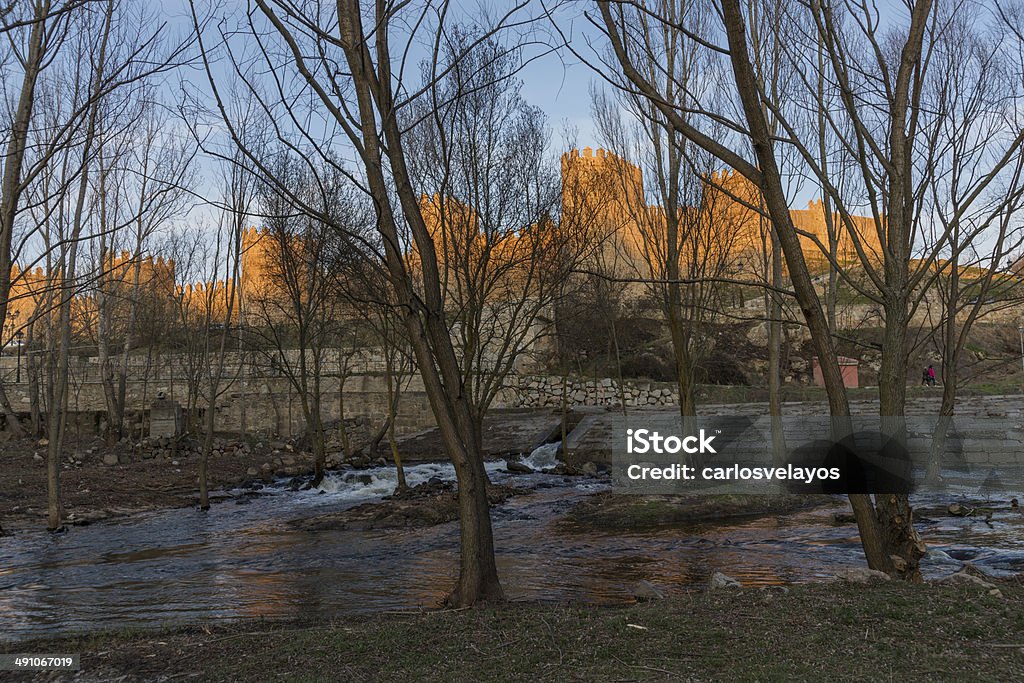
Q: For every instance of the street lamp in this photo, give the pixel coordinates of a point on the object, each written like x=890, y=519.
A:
x=19, y=336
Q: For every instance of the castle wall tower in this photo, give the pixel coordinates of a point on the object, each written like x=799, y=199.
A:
x=603, y=197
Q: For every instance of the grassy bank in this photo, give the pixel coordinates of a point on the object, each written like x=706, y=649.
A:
x=881, y=631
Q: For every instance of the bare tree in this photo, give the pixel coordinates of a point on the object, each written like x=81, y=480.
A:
x=478, y=154
x=352, y=79
x=38, y=32
x=219, y=304
x=295, y=304
x=143, y=183
x=880, y=117
x=43, y=34
x=629, y=49
x=682, y=245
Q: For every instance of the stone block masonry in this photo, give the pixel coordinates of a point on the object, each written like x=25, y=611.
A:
x=547, y=392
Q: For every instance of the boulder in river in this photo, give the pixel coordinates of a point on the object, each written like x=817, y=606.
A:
x=958, y=510
x=518, y=467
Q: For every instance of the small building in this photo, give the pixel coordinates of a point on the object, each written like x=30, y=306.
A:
x=848, y=367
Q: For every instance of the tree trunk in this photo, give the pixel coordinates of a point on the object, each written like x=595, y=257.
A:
x=875, y=548
x=423, y=315
x=11, y=417
x=893, y=509
x=478, y=575
x=393, y=396
x=11, y=182
x=204, y=457
x=775, y=353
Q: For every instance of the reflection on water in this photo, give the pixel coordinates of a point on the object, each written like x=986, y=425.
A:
x=239, y=561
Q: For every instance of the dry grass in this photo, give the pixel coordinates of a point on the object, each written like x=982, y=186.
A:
x=814, y=632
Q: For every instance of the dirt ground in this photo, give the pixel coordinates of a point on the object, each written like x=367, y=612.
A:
x=93, y=490
x=100, y=480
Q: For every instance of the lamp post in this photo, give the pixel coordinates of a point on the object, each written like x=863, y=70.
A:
x=19, y=336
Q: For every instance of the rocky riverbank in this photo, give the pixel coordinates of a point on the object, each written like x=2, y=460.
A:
x=100, y=480
x=430, y=503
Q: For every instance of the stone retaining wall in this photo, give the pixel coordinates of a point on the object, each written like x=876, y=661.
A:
x=547, y=392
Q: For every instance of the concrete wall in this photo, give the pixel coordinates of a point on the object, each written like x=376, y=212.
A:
x=271, y=404
x=265, y=405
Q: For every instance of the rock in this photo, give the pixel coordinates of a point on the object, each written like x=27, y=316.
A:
x=996, y=593
x=861, y=575
x=252, y=472
x=110, y=459
x=43, y=443
x=364, y=479
x=962, y=578
x=37, y=458
x=643, y=591
x=842, y=518
x=589, y=469
x=380, y=462
x=958, y=510
x=720, y=580
x=518, y=467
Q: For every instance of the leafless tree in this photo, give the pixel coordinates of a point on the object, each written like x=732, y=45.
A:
x=682, y=244
x=294, y=306
x=342, y=61
x=880, y=117
x=143, y=183
x=219, y=304
x=46, y=55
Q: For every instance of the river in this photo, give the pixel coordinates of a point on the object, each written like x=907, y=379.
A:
x=241, y=560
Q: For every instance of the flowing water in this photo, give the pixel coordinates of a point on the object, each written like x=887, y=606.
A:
x=242, y=560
